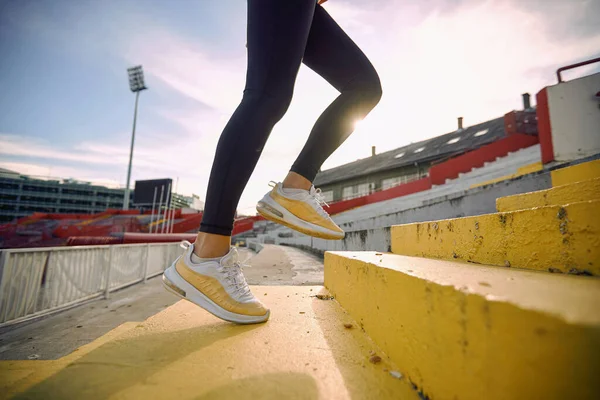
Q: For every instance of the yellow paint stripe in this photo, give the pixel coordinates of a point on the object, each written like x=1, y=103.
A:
x=462, y=331
x=566, y=194
x=576, y=173
x=20, y=375
x=554, y=238
x=527, y=169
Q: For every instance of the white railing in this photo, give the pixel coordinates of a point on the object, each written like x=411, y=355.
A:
x=40, y=281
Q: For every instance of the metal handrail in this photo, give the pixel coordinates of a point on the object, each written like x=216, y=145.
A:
x=40, y=281
x=580, y=64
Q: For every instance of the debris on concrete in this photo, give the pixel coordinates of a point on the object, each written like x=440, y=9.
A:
x=396, y=374
x=348, y=326
x=34, y=357
x=324, y=297
x=375, y=359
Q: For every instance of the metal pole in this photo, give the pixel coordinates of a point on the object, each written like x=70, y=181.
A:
x=126, y=199
x=162, y=189
x=173, y=219
x=152, y=213
x=170, y=214
x=162, y=228
x=170, y=230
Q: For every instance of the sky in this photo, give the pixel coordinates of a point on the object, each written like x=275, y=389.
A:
x=66, y=109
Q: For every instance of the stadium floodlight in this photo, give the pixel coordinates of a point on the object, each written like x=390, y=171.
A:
x=136, y=84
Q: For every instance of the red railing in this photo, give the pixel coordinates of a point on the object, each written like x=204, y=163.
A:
x=579, y=64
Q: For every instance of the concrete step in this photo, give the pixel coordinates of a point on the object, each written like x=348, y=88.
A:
x=576, y=173
x=566, y=194
x=554, y=238
x=20, y=375
x=303, y=352
x=462, y=331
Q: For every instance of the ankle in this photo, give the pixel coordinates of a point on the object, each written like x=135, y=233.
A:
x=296, y=181
x=210, y=245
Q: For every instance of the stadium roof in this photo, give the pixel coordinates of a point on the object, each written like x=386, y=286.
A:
x=436, y=148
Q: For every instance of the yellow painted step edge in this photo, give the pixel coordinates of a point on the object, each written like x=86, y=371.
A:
x=554, y=238
x=566, y=194
x=525, y=170
x=576, y=173
x=472, y=332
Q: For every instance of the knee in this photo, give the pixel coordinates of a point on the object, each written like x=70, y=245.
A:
x=372, y=89
x=272, y=106
x=368, y=88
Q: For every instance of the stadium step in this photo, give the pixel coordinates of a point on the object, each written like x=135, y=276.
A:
x=464, y=331
x=309, y=349
x=576, y=173
x=566, y=194
x=554, y=238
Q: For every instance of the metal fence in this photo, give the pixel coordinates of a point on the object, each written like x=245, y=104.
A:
x=40, y=281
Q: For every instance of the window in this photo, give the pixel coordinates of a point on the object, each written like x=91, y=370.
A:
x=452, y=141
x=420, y=149
x=399, y=155
x=363, y=189
x=399, y=180
x=481, y=133
x=327, y=196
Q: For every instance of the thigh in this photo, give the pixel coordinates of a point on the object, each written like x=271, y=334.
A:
x=277, y=34
x=332, y=54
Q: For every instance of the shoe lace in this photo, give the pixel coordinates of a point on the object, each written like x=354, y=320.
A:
x=235, y=277
x=317, y=196
x=233, y=273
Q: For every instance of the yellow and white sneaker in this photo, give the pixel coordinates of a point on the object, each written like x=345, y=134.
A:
x=301, y=210
x=218, y=286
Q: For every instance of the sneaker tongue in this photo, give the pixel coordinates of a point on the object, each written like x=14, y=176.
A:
x=230, y=258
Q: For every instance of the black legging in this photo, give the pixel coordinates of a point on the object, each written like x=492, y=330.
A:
x=281, y=35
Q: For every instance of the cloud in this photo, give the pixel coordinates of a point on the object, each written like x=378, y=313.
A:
x=60, y=172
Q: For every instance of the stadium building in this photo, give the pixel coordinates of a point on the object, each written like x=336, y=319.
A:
x=21, y=195
x=405, y=164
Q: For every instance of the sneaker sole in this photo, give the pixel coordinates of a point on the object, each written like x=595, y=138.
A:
x=175, y=284
x=272, y=211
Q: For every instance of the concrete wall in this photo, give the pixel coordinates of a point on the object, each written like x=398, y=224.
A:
x=575, y=118
x=373, y=234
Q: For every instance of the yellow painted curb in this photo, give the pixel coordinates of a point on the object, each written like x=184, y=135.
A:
x=463, y=331
x=527, y=169
x=576, y=173
x=555, y=238
x=303, y=352
x=566, y=194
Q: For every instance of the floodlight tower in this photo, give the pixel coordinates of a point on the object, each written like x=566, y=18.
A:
x=136, y=84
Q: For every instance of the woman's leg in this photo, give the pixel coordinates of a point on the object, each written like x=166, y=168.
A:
x=277, y=35
x=333, y=55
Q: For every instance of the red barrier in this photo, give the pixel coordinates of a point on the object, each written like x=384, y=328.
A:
x=345, y=205
x=473, y=159
x=544, y=127
x=401, y=190
x=93, y=240
x=130, y=238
